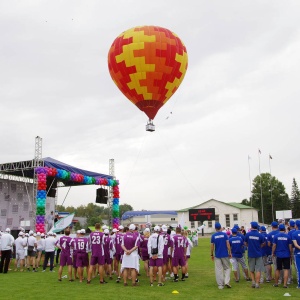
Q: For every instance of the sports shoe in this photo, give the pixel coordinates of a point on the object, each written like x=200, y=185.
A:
x=228, y=286
x=285, y=286
x=59, y=279
x=44, y=271
x=175, y=280
x=172, y=275
x=160, y=284
x=182, y=279
x=88, y=282
x=102, y=282
x=257, y=286
x=125, y=284
x=220, y=287
x=248, y=279
x=237, y=281
x=275, y=285
x=118, y=280
x=187, y=275
x=151, y=283
x=253, y=285
x=137, y=280
x=52, y=271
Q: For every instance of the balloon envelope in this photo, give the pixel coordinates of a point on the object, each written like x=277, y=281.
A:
x=148, y=63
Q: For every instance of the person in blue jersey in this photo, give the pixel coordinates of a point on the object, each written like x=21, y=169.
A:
x=271, y=235
x=237, y=249
x=254, y=241
x=292, y=229
x=267, y=257
x=282, y=249
x=220, y=254
x=296, y=242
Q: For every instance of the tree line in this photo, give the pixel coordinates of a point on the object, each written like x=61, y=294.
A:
x=269, y=195
x=92, y=212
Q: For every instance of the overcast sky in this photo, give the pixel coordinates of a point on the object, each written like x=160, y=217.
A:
x=240, y=94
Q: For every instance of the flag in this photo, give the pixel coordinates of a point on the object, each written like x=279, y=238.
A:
x=270, y=156
x=63, y=223
x=259, y=151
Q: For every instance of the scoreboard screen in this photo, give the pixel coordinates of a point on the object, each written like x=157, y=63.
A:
x=202, y=214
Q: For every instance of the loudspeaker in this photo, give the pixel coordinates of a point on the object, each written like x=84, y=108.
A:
x=101, y=196
x=51, y=182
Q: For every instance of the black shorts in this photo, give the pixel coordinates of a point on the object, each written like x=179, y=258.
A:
x=31, y=253
x=283, y=263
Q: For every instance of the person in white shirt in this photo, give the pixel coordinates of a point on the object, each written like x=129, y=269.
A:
x=31, y=254
x=155, y=251
x=49, y=251
x=20, y=244
x=7, y=242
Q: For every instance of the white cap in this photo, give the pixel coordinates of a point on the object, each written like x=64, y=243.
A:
x=7, y=230
x=156, y=228
x=115, y=230
x=78, y=231
x=34, y=234
x=106, y=231
x=50, y=233
x=82, y=231
x=38, y=233
x=131, y=227
x=121, y=227
x=147, y=230
x=42, y=234
x=30, y=232
x=21, y=233
x=54, y=233
x=104, y=227
x=164, y=228
x=26, y=234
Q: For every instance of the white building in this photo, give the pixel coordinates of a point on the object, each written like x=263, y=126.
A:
x=228, y=214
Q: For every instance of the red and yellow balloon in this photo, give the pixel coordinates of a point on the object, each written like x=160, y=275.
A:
x=148, y=63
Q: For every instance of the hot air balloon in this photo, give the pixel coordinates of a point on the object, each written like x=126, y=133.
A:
x=148, y=63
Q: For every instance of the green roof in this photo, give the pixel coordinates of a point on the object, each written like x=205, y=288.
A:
x=234, y=204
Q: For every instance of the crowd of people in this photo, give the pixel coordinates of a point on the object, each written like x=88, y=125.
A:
x=102, y=253
x=271, y=255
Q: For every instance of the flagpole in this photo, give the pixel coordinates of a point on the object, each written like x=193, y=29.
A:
x=270, y=157
x=250, y=183
x=261, y=198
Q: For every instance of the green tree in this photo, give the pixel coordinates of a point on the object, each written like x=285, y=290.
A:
x=270, y=192
x=125, y=207
x=246, y=202
x=295, y=199
x=77, y=226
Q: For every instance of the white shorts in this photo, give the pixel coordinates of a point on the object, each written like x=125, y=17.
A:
x=20, y=254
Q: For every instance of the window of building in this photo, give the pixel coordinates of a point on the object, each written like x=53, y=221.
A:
x=227, y=220
x=217, y=219
x=192, y=224
x=1, y=186
x=25, y=206
x=209, y=224
x=15, y=208
x=3, y=212
x=235, y=217
x=199, y=223
x=9, y=221
x=13, y=187
x=20, y=197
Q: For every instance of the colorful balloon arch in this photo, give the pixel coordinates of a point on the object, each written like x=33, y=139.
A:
x=44, y=172
x=148, y=63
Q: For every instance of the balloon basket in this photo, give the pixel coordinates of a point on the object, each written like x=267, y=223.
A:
x=150, y=126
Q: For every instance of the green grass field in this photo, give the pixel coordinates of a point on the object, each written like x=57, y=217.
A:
x=201, y=284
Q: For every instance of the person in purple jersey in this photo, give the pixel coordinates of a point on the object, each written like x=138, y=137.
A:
x=130, y=260
x=65, y=257
x=108, y=246
x=119, y=252
x=144, y=249
x=220, y=254
x=155, y=251
x=282, y=249
x=178, y=252
x=81, y=245
x=74, y=255
x=96, y=242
